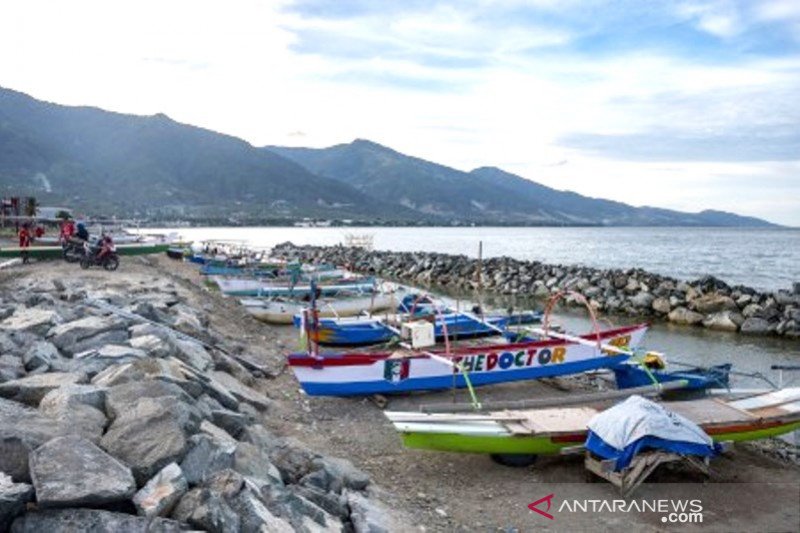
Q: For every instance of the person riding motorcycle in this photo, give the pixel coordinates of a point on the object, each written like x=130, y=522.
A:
x=82, y=233
x=105, y=246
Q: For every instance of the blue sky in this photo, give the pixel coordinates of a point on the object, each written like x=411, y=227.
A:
x=686, y=105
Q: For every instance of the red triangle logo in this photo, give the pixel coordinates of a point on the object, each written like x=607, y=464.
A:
x=549, y=500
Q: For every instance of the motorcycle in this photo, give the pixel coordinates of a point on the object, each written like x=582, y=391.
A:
x=110, y=261
x=72, y=251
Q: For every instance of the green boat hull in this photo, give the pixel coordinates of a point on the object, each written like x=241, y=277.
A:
x=54, y=252
x=521, y=444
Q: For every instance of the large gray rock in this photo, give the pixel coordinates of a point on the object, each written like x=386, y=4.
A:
x=91, y=520
x=661, y=305
x=113, y=353
x=714, y=303
x=724, y=321
x=342, y=472
x=13, y=498
x=160, y=495
x=232, y=422
x=292, y=458
x=150, y=434
x=683, y=316
x=69, y=395
x=71, y=472
x=120, y=397
x=116, y=336
x=207, y=510
x=42, y=354
x=22, y=430
x=31, y=389
x=168, y=370
x=206, y=456
x=642, y=300
x=368, y=516
x=153, y=345
x=193, y=354
x=85, y=333
x=242, y=392
x=755, y=326
x=253, y=462
x=11, y=367
x=81, y=418
x=34, y=320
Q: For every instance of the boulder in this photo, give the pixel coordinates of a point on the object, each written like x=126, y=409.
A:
x=153, y=345
x=160, y=495
x=41, y=354
x=207, y=510
x=91, y=520
x=23, y=429
x=724, y=321
x=661, y=305
x=75, y=394
x=33, y=320
x=193, y=354
x=755, y=326
x=216, y=432
x=714, y=303
x=85, y=333
x=368, y=516
x=120, y=397
x=82, y=419
x=206, y=456
x=752, y=310
x=642, y=300
x=13, y=499
x=342, y=472
x=254, y=514
x=11, y=367
x=253, y=462
x=31, y=389
x=150, y=434
x=681, y=315
x=291, y=457
x=72, y=472
x=113, y=353
x=168, y=370
x=240, y=391
x=231, y=421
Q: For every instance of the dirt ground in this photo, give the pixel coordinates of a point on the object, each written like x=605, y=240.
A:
x=431, y=491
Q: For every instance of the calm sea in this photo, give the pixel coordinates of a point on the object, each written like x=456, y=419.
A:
x=761, y=258
x=767, y=259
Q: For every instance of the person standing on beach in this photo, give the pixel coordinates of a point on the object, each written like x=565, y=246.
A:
x=24, y=242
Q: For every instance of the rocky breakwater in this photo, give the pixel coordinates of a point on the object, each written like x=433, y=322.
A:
x=707, y=302
x=109, y=422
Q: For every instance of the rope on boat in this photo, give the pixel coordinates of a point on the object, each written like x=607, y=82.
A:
x=580, y=298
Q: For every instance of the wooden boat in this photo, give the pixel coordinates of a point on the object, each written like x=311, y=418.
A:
x=282, y=311
x=360, y=373
x=56, y=252
x=546, y=431
x=364, y=331
x=268, y=288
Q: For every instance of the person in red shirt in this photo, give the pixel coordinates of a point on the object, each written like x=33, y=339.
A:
x=24, y=242
x=106, y=244
x=67, y=230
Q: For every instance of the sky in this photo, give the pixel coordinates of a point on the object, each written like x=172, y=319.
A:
x=686, y=105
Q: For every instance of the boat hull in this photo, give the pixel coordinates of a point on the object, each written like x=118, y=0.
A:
x=374, y=331
x=255, y=287
x=276, y=312
x=364, y=374
x=543, y=445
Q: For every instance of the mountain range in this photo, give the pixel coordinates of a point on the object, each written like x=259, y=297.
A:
x=152, y=166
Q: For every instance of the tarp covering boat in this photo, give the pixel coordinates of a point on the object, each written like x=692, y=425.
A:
x=638, y=424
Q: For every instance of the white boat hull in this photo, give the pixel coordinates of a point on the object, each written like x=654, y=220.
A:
x=278, y=312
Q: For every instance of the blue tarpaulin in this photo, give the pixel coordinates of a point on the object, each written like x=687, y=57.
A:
x=638, y=424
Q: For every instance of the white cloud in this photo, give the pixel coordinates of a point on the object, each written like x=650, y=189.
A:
x=235, y=68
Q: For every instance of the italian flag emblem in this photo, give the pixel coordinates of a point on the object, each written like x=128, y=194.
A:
x=396, y=370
